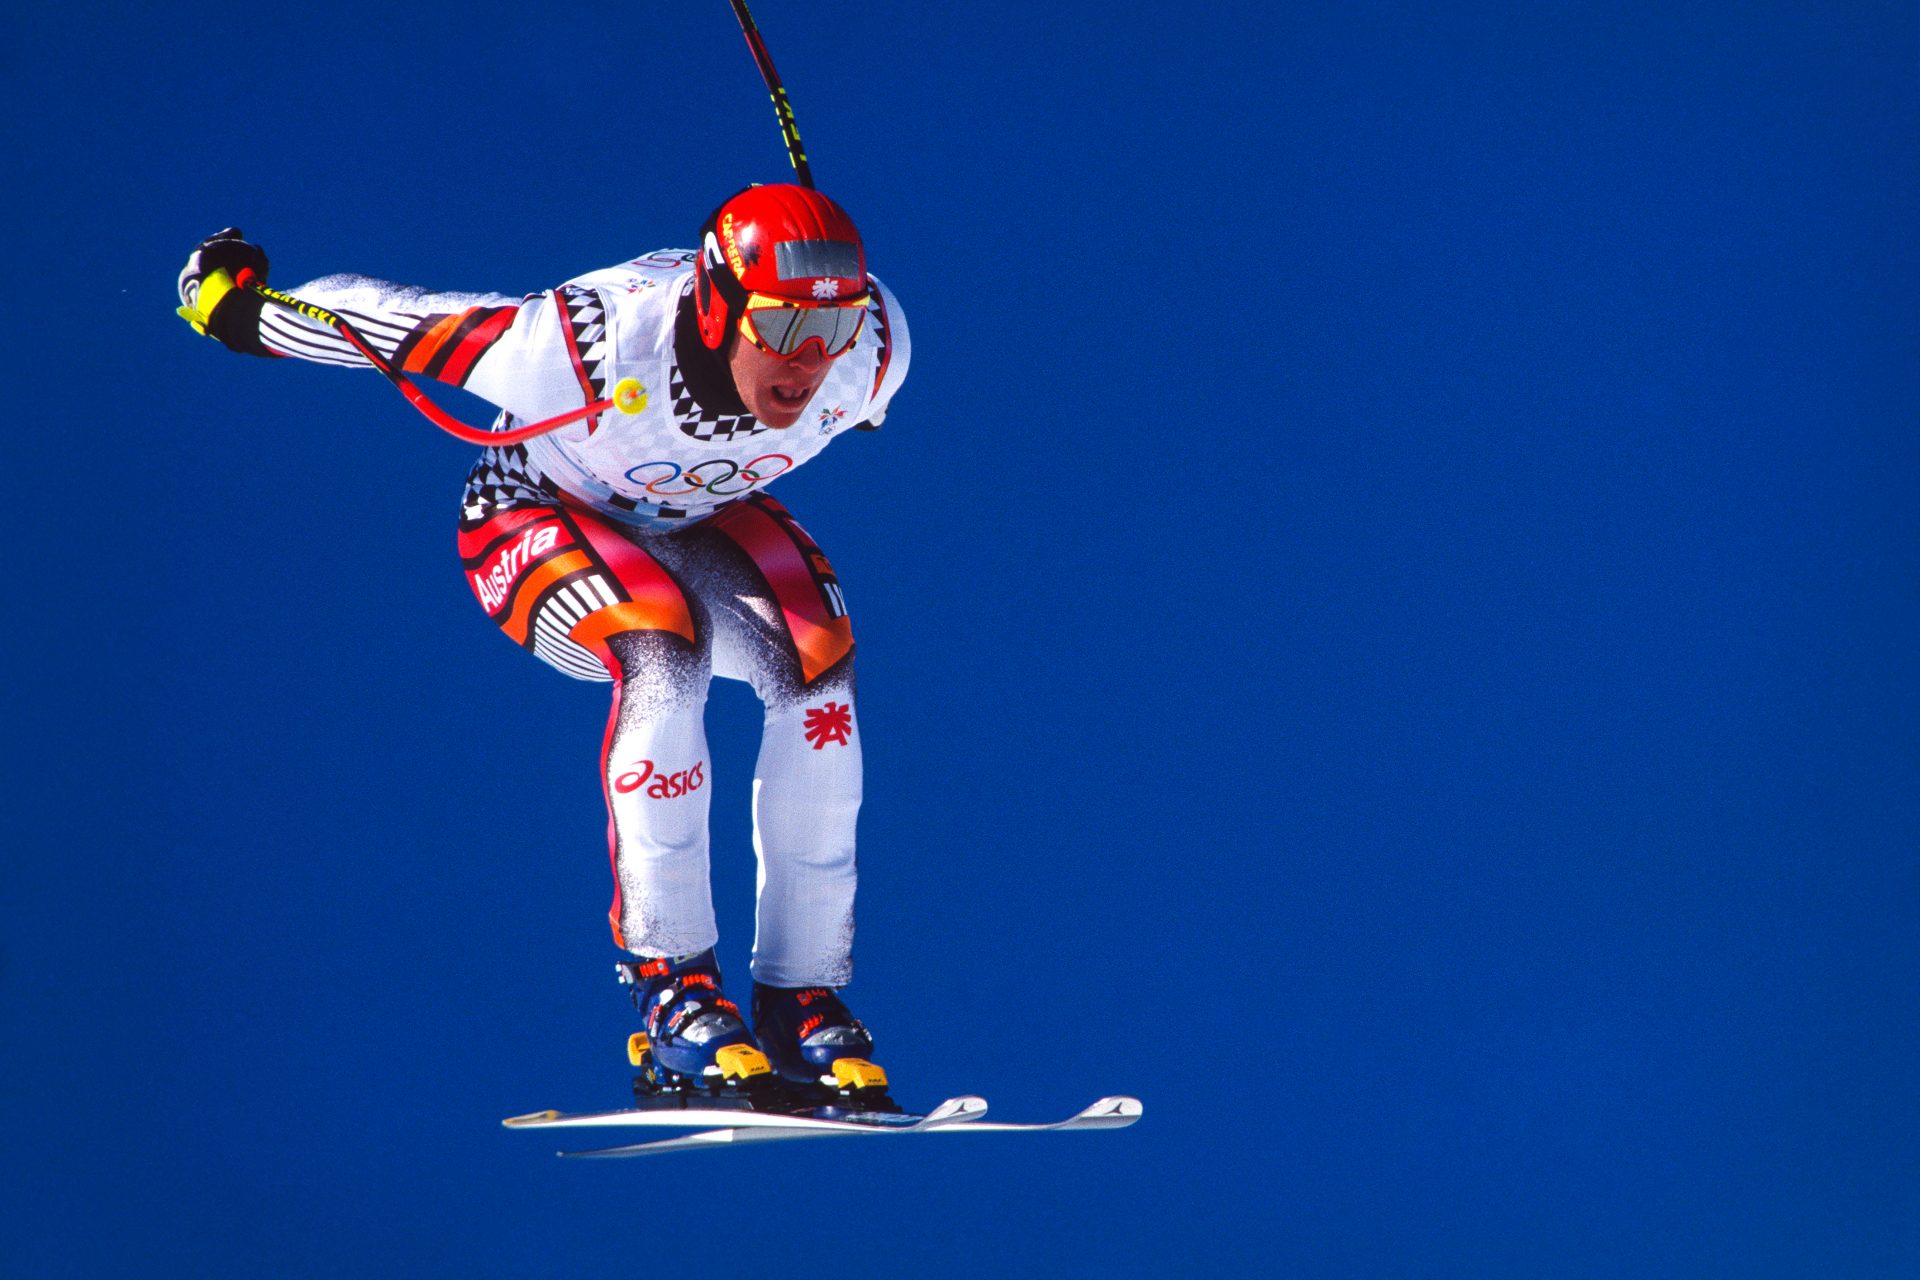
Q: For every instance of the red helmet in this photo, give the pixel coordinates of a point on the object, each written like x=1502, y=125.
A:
x=780, y=241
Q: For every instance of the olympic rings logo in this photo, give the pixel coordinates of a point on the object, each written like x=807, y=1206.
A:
x=708, y=476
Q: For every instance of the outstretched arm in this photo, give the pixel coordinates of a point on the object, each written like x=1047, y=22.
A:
x=520, y=354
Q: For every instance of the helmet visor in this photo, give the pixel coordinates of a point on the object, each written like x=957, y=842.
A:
x=781, y=327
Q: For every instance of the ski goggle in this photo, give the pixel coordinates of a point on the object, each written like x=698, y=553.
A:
x=781, y=326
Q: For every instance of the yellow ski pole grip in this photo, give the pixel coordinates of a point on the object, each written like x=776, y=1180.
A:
x=214, y=286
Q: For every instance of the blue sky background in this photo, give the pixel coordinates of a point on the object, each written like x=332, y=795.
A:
x=1387, y=626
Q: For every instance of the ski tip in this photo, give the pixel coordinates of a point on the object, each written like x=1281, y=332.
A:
x=1114, y=1113
x=532, y=1118
x=966, y=1107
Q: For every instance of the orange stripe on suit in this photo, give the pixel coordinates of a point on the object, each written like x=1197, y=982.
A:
x=591, y=632
x=429, y=343
x=528, y=588
x=474, y=345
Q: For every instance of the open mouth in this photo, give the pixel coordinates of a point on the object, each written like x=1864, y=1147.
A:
x=791, y=397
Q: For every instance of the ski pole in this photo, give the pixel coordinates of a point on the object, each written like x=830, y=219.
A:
x=628, y=395
x=782, y=109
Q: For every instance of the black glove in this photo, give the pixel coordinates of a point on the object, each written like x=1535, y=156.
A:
x=215, y=304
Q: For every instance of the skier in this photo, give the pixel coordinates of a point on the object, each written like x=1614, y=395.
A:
x=643, y=549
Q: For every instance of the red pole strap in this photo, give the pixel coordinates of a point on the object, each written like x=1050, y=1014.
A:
x=415, y=395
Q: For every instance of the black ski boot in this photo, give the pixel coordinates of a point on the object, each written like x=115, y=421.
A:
x=819, y=1048
x=696, y=1040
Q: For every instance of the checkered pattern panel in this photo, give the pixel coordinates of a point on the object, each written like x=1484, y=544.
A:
x=877, y=320
x=701, y=425
x=587, y=326
x=504, y=478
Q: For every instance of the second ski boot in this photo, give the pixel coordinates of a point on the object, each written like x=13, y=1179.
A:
x=696, y=1040
x=819, y=1048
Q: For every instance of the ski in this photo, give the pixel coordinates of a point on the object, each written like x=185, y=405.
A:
x=956, y=1115
x=1108, y=1113
x=744, y=1118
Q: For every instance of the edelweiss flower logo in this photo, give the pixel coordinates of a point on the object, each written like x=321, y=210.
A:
x=830, y=723
x=826, y=288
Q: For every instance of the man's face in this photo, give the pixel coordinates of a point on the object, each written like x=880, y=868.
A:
x=776, y=391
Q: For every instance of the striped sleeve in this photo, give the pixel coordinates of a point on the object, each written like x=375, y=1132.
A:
x=519, y=354
x=409, y=326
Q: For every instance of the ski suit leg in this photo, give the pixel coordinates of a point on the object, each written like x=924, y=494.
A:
x=779, y=623
x=590, y=602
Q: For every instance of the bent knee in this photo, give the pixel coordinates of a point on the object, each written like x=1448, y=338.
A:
x=807, y=604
